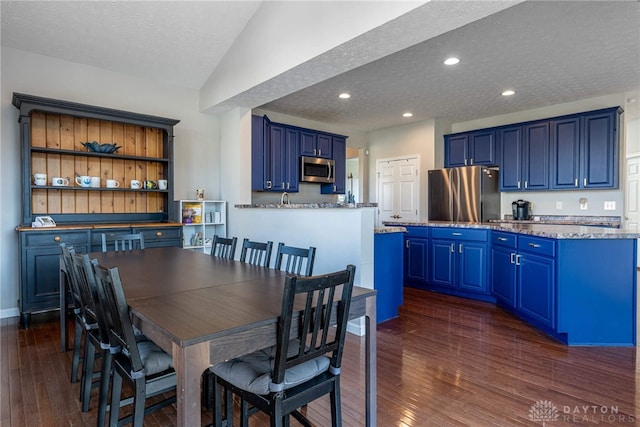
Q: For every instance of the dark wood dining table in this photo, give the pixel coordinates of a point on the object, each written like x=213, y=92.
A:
x=203, y=310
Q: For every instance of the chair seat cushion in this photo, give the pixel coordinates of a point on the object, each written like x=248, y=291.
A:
x=153, y=358
x=252, y=372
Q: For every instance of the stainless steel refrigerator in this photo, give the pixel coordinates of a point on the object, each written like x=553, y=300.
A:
x=464, y=194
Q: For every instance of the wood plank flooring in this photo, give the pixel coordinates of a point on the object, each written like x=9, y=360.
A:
x=445, y=361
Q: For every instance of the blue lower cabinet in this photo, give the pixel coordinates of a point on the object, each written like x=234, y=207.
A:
x=387, y=274
x=503, y=275
x=459, y=262
x=536, y=289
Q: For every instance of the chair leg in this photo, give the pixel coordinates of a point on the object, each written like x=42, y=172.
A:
x=334, y=396
x=139, y=402
x=75, y=360
x=87, y=374
x=244, y=413
x=105, y=376
x=228, y=410
x=217, y=402
x=116, y=390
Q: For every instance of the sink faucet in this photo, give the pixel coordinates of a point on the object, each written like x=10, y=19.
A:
x=285, y=195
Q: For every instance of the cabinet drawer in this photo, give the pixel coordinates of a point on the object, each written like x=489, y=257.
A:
x=417, y=232
x=54, y=238
x=508, y=240
x=161, y=236
x=537, y=245
x=459, y=233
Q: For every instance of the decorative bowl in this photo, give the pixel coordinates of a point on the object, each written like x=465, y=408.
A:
x=95, y=147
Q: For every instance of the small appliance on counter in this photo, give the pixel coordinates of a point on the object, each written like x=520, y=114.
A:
x=521, y=210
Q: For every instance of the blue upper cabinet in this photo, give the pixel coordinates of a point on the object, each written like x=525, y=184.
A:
x=339, y=152
x=584, y=149
x=524, y=157
x=510, y=140
x=274, y=154
x=470, y=148
x=535, y=157
x=315, y=144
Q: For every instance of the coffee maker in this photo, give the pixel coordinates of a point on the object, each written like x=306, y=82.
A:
x=521, y=210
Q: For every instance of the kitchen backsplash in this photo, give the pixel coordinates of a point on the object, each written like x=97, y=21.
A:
x=309, y=193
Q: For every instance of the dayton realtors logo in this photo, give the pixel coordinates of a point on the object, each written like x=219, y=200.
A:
x=545, y=411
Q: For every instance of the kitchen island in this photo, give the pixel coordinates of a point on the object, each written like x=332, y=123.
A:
x=576, y=283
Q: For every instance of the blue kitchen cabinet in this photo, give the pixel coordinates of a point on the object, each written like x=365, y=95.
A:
x=510, y=141
x=585, y=150
x=459, y=261
x=503, y=268
x=524, y=157
x=316, y=144
x=275, y=152
x=536, y=285
x=416, y=256
x=387, y=275
x=470, y=148
x=339, y=150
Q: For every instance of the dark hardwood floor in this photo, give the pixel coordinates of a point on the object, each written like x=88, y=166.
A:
x=444, y=362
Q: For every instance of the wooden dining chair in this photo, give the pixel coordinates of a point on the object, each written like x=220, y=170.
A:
x=144, y=365
x=223, y=247
x=304, y=365
x=122, y=241
x=256, y=253
x=84, y=320
x=97, y=343
x=295, y=260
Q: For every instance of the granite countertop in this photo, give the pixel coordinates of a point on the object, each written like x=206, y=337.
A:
x=306, y=205
x=554, y=231
x=604, y=221
x=383, y=230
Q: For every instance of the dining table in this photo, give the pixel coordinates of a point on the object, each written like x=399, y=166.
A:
x=203, y=310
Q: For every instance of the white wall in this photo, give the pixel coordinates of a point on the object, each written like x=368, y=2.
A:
x=196, y=136
x=411, y=139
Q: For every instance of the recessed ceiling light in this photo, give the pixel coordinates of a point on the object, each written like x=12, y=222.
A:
x=407, y=114
x=451, y=61
x=344, y=95
x=508, y=93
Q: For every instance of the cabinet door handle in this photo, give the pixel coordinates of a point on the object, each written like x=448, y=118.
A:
x=471, y=161
x=57, y=239
x=513, y=257
x=268, y=184
x=534, y=245
x=460, y=248
x=406, y=244
x=584, y=182
x=526, y=184
x=158, y=233
x=465, y=162
x=283, y=184
x=518, y=259
x=315, y=151
x=453, y=247
x=518, y=184
x=576, y=183
x=456, y=234
x=502, y=239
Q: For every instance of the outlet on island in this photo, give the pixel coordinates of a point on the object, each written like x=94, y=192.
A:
x=610, y=206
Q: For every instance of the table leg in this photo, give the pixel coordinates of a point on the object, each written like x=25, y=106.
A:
x=371, y=363
x=64, y=289
x=190, y=362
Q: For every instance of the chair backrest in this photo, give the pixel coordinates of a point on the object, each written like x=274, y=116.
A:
x=116, y=309
x=325, y=306
x=223, y=247
x=292, y=259
x=122, y=241
x=67, y=254
x=256, y=253
x=84, y=270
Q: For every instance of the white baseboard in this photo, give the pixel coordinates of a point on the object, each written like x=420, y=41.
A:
x=357, y=327
x=9, y=312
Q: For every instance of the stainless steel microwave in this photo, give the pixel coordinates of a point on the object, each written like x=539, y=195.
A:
x=314, y=169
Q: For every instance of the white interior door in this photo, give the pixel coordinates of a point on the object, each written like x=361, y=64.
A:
x=398, y=189
x=632, y=196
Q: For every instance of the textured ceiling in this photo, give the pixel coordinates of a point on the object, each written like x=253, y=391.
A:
x=549, y=52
